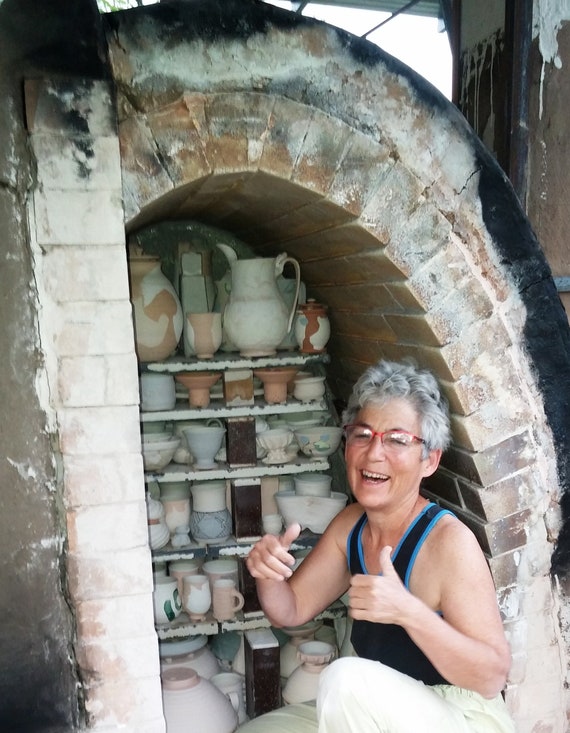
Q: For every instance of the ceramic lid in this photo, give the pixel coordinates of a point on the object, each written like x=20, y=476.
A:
x=181, y=647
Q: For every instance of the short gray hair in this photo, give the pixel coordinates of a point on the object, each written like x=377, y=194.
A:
x=389, y=380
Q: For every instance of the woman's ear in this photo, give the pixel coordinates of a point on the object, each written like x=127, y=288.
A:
x=432, y=462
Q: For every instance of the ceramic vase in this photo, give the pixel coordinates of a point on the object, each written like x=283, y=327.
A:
x=157, y=312
x=202, y=334
x=256, y=318
x=312, y=327
x=192, y=703
x=175, y=498
x=210, y=520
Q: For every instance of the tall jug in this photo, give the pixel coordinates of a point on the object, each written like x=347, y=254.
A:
x=256, y=318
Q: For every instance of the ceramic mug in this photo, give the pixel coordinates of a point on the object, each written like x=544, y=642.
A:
x=197, y=597
x=226, y=599
x=166, y=599
x=232, y=684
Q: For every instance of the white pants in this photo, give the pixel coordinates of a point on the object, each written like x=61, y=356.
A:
x=368, y=697
x=360, y=696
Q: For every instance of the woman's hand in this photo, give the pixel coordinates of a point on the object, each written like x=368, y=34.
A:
x=378, y=598
x=270, y=558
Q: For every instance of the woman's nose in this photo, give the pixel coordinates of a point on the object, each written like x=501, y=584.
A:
x=376, y=448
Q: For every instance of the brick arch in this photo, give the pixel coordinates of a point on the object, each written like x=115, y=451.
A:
x=408, y=267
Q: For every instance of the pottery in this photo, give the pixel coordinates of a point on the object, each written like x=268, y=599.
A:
x=157, y=455
x=256, y=318
x=289, y=652
x=179, y=569
x=166, y=600
x=301, y=420
x=157, y=312
x=272, y=523
x=311, y=512
x=309, y=389
x=158, y=392
x=191, y=702
x=226, y=599
x=196, y=596
x=204, y=441
x=210, y=520
x=192, y=653
x=278, y=444
x=158, y=532
x=175, y=498
x=221, y=568
x=275, y=380
x=312, y=327
x=318, y=441
x=202, y=334
x=198, y=385
x=312, y=484
x=232, y=685
x=303, y=682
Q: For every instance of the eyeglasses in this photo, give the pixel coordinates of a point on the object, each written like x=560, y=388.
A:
x=392, y=440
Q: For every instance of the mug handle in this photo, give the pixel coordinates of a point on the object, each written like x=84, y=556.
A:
x=240, y=600
x=214, y=421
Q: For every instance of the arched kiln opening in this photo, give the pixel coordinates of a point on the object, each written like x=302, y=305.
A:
x=402, y=224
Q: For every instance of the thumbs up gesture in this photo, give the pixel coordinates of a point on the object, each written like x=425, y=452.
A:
x=270, y=558
x=378, y=598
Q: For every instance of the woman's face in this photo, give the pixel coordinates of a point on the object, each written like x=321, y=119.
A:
x=378, y=474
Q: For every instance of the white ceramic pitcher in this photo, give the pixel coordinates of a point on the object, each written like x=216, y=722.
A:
x=256, y=317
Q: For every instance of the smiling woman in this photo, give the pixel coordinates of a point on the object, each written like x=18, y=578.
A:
x=426, y=627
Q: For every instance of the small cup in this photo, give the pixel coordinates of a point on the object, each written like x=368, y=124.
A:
x=197, y=597
x=226, y=599
x=272, y=523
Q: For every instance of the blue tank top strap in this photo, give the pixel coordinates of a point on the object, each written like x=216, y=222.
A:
x=354, y=555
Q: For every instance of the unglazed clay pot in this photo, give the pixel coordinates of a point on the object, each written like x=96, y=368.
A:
x=192, y=653
x=202, y=334
x=275, y=381
x=192, y=703
x=198, y=385
x=157, y=311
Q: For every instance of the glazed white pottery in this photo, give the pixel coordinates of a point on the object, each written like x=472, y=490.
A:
x=179, y=569
x=309, y=389
x=204, y=441
x=166, y=600
x=256, y=318
x=312, y=328
x=157, y=312
x=196, y=596
x=312, y=484
x=158, y=392
x=318, y=441
x=272, y=523
x=192, y=653
x=158, y=532
x=311, y=512
x=304, y=680
x=192, y=703
x=210, y=520
x=158, y=454
x=226, y=599
x=278, y=442
x=202, y=334
x=232, y=685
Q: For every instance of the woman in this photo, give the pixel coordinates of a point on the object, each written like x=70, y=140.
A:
x=432, y=654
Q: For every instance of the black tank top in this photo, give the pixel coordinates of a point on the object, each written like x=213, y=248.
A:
x=390, y=643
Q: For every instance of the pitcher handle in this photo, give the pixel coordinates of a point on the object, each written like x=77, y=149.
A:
x=280, y=262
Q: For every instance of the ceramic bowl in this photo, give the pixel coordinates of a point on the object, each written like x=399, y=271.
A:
x=301, y=420
x=319, y=441
x=311, y=512
x=161, y=437
x=309, y=389
x=157, y=455
x=275, y=439
x=312, y=484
